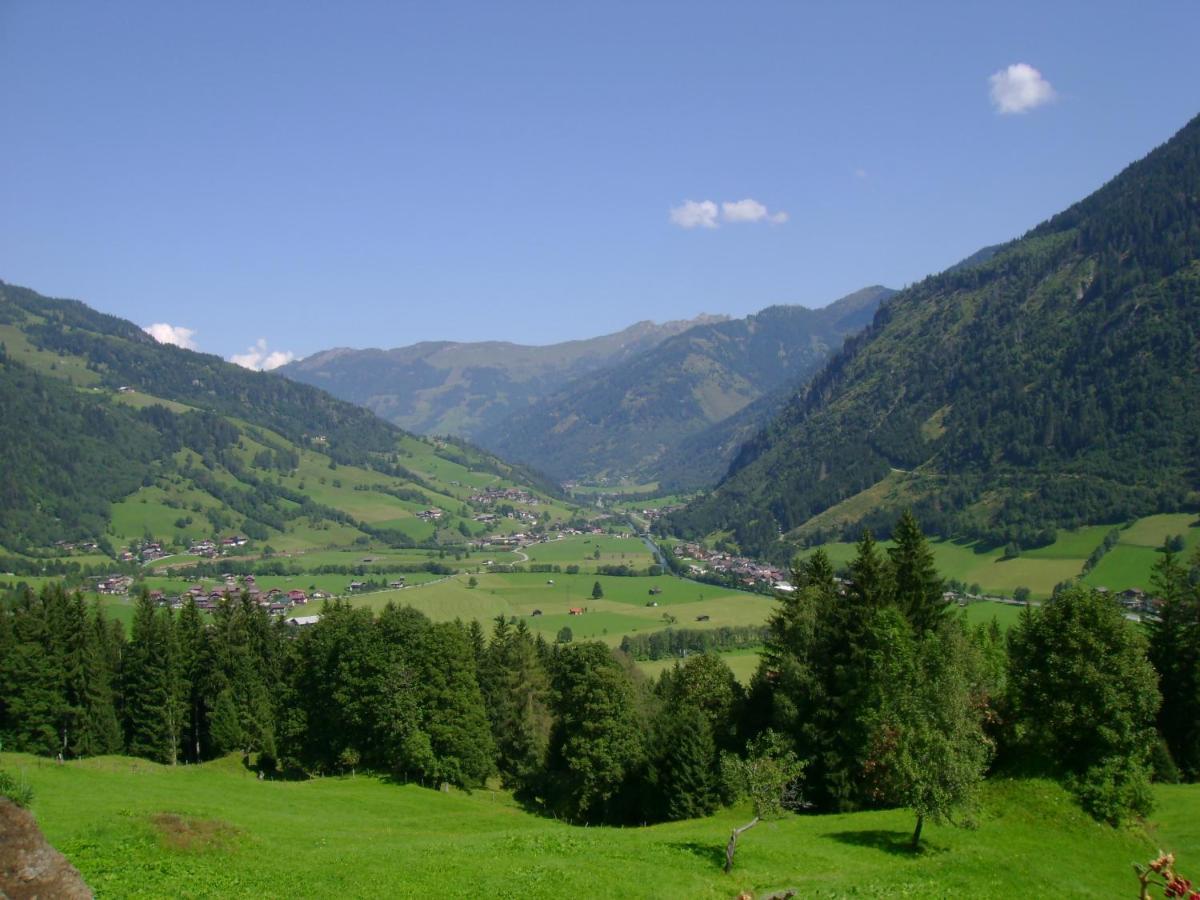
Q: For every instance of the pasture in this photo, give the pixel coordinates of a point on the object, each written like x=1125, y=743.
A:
x=623, y=609
x=1128, y=564
x=137, y=829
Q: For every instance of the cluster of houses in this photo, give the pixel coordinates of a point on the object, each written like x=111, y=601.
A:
x=82, y=546
x=276, y=601
x=659, y=511
x=1135, y=600
x=430, y=515
x=506, y=495
x=114, y=584
x=750, y=572
x=147, y=551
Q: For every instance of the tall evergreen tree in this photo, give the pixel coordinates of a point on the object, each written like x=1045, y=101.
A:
x=686, y=771
x=919, y=591
x=452, y=706
x=596, y=744
x=94, y=729
x=154, y=707
x=1175, y=652
x=30, y=681
x=516, y=689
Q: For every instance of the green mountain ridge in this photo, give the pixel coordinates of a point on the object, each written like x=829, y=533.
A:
x=1055, y=383
x=112, y=438
x=448, y=387
x=652, y=417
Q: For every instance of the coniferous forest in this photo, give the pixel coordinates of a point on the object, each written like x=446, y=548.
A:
x=873, y=684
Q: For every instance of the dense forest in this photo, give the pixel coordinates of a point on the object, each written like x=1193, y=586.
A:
x=872, y=691
x=1053, y=384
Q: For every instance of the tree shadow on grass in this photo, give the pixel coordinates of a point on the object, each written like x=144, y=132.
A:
x=897, y=843
x=710, y=853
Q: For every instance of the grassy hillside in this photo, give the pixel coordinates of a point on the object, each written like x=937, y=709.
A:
x=112, y=438
x=136, y=829
x=1053, y=385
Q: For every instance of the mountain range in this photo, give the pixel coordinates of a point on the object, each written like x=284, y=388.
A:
x=620, y=408
x=463, y=389
x=1054, y=383
x=671, y=414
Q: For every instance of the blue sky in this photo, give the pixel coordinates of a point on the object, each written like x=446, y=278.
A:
x=312, y=175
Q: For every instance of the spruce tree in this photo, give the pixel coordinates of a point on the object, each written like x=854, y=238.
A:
x=453, y=714
x=1175, y=652
x=154, y=707
x=687, y=769
x=596, y=744
x=919, y=591
x=88, y=685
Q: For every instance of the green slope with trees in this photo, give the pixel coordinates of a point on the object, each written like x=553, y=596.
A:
x=1054, y=384
x=112, y=438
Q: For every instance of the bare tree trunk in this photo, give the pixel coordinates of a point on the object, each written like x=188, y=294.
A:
x=731, y=847
x=916, y=838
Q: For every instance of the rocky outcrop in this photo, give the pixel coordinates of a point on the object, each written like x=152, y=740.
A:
x=30, y=869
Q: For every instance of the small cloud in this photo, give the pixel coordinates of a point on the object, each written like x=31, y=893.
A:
x=259, y=359
x=704, y=213
x=172, y=334
x=750, y=211
x=693, y=214
x=860, y=173
x=1019, y=88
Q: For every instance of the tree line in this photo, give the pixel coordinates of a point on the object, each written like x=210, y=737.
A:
x=871, y=692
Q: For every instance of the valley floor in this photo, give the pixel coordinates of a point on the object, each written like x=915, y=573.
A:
x=137, y=829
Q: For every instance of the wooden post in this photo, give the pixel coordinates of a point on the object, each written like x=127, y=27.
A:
x=731, y=847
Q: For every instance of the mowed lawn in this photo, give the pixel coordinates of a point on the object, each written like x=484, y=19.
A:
x=623, y=609
x=140, y=830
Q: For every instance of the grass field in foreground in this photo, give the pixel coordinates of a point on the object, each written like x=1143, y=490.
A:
x=136, y=829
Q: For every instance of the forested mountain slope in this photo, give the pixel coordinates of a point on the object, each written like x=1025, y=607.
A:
x=1054, y=384
x=446, y=387
x=98, y=415
x=629, y=419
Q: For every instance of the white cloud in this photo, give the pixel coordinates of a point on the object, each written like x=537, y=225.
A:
x=860, y=173
x=693, y=214
x=704, y=213
x=258, y=358
x=750, y=211
x=172, y=334
x=1019, y=88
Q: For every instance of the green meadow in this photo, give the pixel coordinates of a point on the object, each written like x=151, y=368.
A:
x=1128, y=564
x=140, y=830
x=622, y=610
x=580, y=550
